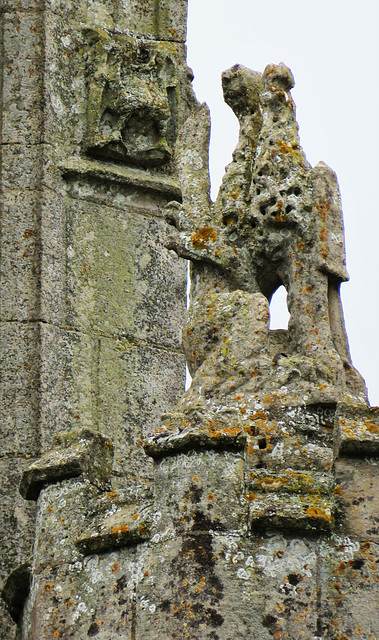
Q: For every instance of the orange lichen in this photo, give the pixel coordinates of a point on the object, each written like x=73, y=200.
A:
x=323, y=234
x=284, y=147
x=249, y=497
x=48, y=587
x=115, y=531
x=201, y=238
x=372, y=428
x=316, y=512
x=323, y=208
x=115, y=567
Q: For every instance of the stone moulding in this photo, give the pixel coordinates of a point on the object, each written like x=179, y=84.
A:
x=128, y=525
x=356, y=430
x=180, y=433
x=74, y=167
x=84, y=453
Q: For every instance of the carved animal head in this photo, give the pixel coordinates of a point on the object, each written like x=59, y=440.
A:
x=131, y=98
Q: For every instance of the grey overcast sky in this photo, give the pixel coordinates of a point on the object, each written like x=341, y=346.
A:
x=332, y=47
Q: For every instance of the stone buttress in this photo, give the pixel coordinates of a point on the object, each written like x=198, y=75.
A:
x=93, y=95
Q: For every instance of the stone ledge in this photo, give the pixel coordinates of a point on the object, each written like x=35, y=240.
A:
x=356, y=430
x=119, y=518
x=74, y=453
x=165, y=444
x=78, y=166
x=297, y=512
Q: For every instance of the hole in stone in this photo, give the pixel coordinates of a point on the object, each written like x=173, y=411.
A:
x=289, y=208
x=143, y=54
x=357, y=564
x=279, y=315
x=297, y=191
x=262, y=443
x=294, y=579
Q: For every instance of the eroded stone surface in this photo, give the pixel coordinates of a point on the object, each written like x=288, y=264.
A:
x=227, y=531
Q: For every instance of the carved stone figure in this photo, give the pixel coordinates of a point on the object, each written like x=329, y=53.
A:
x=131, y=105
x=276, y=221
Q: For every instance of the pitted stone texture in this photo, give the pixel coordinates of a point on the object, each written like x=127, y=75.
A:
x=115, y=268
x=349, y=588
x=137, y=383
x=22, y=75
x=357, y=483
x=17, y=523
x=208, y=492
x=84, y=452
x=68, y=381
x=21, y=255
x=19, y=388
x=275, y=221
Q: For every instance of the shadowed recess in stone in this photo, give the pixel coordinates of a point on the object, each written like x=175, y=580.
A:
x=74, y=453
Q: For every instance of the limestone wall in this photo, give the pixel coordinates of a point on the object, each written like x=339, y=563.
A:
x=91, y=301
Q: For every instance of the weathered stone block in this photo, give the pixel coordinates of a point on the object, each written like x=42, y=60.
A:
x=17, y=525
x=92, y=596
x=358, y=496
x=118, y=519
x=62, y=509
x=53, y=260
x=162, y=20
x=116, y=263
x=136, y=384
x=356, y=430
x=20, y=243
x=82, y=452
x=194, y=581
x=17, y=517
x=349, y=588
x=68, y=381
x=21, y=166
x=22, y=77
x=19, y=389
x=199, y=491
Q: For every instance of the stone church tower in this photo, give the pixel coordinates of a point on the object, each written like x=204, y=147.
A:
x=246, y=508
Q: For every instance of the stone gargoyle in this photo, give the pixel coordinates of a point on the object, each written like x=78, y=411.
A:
x=132, y=88
x=276, y=221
